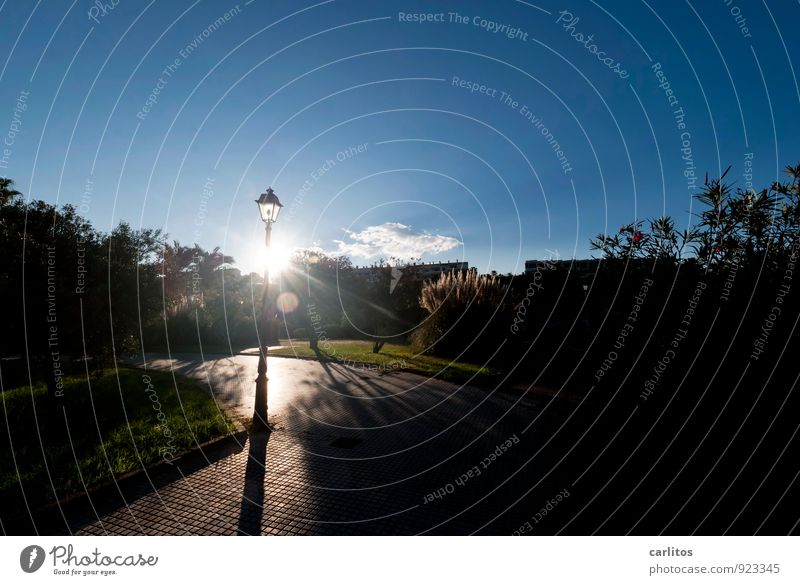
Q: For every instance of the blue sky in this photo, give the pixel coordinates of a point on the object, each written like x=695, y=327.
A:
x=366, y=125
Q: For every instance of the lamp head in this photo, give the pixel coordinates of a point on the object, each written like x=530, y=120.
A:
x=269, y=206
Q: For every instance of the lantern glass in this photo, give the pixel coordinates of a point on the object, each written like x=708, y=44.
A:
x=269, y=206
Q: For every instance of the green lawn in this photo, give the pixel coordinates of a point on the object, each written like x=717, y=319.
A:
x=121, y=421
x=393, y=357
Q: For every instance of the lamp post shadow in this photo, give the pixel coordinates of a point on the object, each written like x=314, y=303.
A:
x=252, y=509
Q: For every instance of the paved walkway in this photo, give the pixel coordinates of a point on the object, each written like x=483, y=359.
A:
x=353, y=452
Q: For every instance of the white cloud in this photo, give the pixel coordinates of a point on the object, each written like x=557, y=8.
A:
x=393, y=239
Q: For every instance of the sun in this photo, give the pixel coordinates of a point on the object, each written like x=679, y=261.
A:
x=275, y=259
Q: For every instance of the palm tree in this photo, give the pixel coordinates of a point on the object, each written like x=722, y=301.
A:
x=7, y=192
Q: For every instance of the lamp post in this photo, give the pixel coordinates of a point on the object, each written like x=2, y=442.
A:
x=269, y=206
x=585, y=305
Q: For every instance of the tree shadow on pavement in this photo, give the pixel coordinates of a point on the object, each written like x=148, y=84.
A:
x=377, y=447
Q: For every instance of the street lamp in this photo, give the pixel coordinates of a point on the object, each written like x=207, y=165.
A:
x=269, y=206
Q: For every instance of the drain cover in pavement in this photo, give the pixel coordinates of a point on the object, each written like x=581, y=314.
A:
x=345, y=442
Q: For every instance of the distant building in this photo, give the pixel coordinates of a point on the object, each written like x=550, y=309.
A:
x=431, y=270
x=421, y=271
x=581, y=268
x=584, y=269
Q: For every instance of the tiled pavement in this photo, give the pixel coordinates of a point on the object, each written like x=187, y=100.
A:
x=352, y=452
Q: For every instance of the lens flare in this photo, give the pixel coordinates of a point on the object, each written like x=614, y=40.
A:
x=287, y=302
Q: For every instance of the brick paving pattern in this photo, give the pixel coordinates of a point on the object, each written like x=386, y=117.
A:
x=352, y=452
